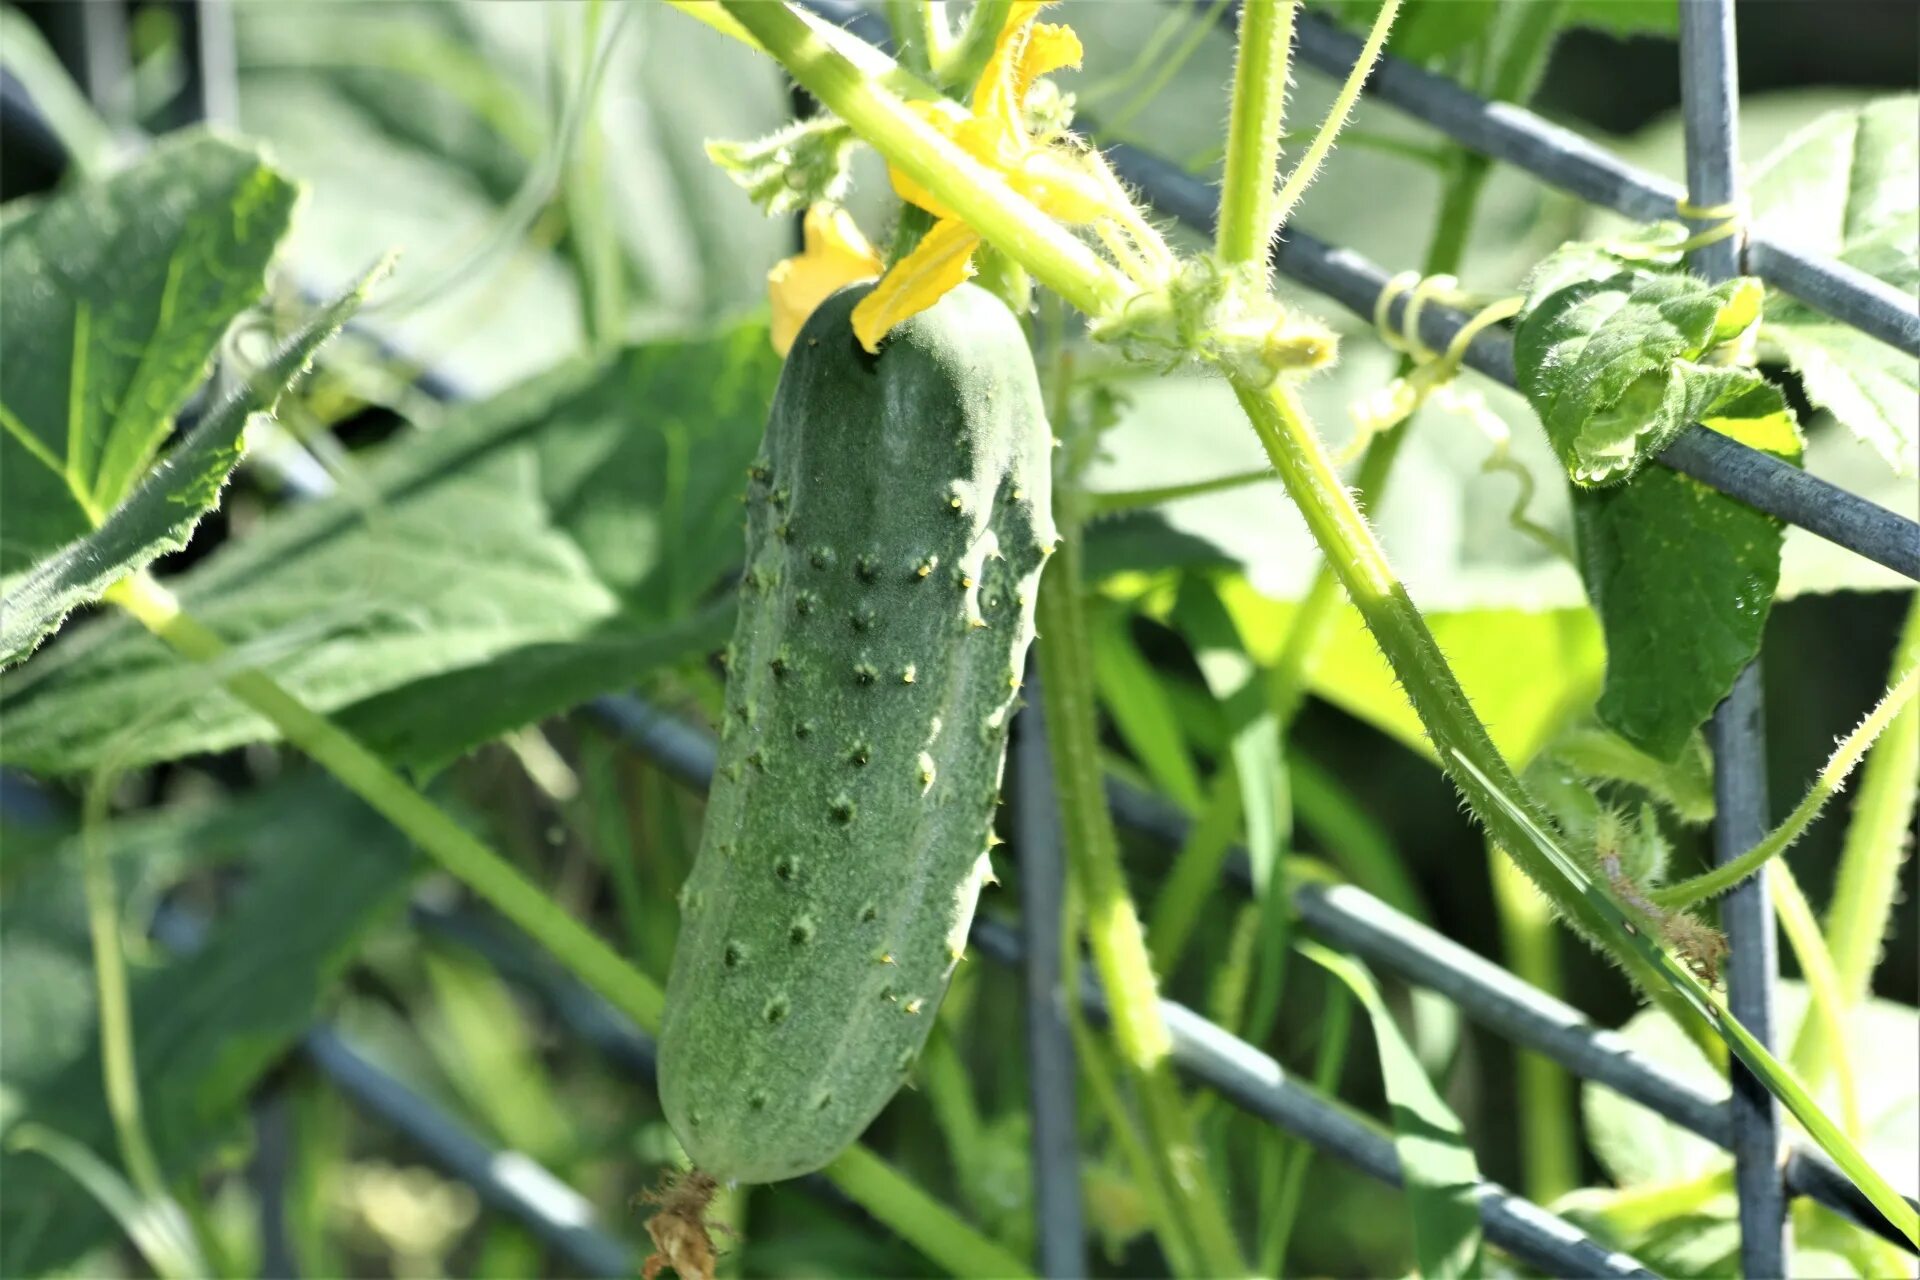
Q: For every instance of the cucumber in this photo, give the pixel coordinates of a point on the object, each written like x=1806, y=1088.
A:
x=897, y=522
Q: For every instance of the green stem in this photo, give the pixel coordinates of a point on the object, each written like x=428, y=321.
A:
x=1328, y=1064
x=1821, y=1044
x=1309, y=167
x=1253, y=131
x=1055, y=256
x=1878, y=837
x=1114, y=501
x=1825, y=786
x=119, y=1070
x=1119, y=944
x=1411, y=650
x=875, y=1186
x=481, y=869
x=1549, y=1146
x=897, y=1203
x=968, y=55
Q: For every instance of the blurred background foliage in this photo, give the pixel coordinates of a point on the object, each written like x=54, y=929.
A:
x=584, y=258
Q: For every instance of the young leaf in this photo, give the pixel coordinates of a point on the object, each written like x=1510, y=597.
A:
x=159, y=516
x=1610, y=364
x=1683, y=579
x=1438, y=1165
x=792, y=168
x=117, y=295
x=1843, y=187
x=534, y=550
x=207, y=1026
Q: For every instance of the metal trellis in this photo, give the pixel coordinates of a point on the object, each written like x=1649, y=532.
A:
x=1490, y=995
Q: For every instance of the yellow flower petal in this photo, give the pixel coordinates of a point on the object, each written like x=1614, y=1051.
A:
x=1051, y=46
x=940, y=263
x=834, y=254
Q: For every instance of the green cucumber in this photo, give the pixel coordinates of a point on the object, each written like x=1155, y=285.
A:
x=897, y=523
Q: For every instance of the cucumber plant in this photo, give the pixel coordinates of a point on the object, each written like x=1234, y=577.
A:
x=898, y=518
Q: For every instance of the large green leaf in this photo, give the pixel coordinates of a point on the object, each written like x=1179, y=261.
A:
x=160, y=514
x=206, y=1027
x=1843, y=187
x=531, y=551
x=117, y=295
x=1683, y=578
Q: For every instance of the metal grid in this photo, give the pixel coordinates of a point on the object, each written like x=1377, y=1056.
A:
x=1488, y=994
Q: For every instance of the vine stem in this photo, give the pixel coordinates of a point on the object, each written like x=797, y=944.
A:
x=1254, y=126
x=1309, y=167
x=1356, y=559
x=119, y=1069
x=875, y=1185
x=1825, y=786
x=1878, y=837
x=1003, y=217
x=1113, y=926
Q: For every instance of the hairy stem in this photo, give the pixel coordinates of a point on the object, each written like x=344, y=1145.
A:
x=1825, y=786
x=1878, y=837
x=1309, y=167
x=1013, y=224
x=1253, y=131
x=1113, y=927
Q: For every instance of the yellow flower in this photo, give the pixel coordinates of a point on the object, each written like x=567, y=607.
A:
x=995, y=133
x=835, y=254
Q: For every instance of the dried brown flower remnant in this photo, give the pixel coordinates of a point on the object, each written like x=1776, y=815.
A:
x=681, y=1239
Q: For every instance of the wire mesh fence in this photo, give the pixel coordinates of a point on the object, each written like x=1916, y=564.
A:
x=1769, y=1169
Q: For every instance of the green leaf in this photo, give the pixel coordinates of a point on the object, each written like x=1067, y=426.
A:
x=1843, y=179
x=118, y=294
x=1683, y=578
x=206, y=1026
x=1843, y=187
x=793, y=167
x=1624, y=17
x=1132, y=694
x=1610, y=364
x=1435, y=1159
x=533, y=550
x=159, y=516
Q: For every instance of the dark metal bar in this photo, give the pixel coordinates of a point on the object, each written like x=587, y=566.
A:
x=1738, y=742
x=1755, y=478
x=1710, y=105
x=506, y=1181
x=1565, y=160
x=1052, y=1073
x=267, y=1174
x=1256, y=1083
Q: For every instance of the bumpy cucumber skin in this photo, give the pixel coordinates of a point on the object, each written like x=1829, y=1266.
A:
x=897, y=523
